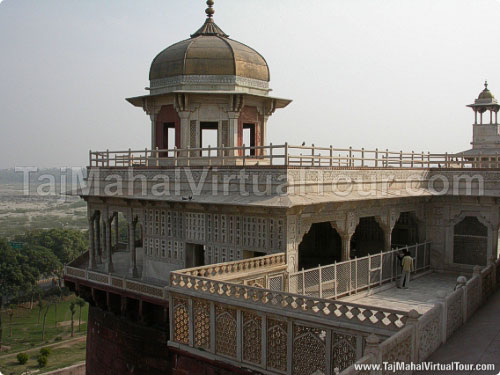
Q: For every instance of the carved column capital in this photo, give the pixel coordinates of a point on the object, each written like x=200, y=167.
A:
x=236, y=103
x=346, y=226
x=232, y=115
x=388, y=219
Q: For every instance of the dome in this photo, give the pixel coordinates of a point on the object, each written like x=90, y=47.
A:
x=209, y=52
x=486, y=93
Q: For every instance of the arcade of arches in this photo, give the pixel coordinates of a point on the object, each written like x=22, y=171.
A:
x=105, y=234
x=323, y=244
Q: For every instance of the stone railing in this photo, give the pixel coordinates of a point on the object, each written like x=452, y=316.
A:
x=260, y=340
x=232, y=269
x=423, y=335
x=114, y=281
x=271, y=332
x=368, y=359
x=287, y=155
x=283, y=303
x=352, y=276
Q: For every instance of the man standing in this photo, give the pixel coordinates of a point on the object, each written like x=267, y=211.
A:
x=407, y=268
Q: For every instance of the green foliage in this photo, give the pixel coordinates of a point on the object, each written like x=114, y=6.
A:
x=58, y=338
x=66, y=244
x=42, y=259
x=42, y=360
x=22, y=358
x=15, y=273
x=27, y=330
x=45, y=351
x=80, y=302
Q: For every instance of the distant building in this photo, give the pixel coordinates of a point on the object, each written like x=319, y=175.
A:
x=486, y=130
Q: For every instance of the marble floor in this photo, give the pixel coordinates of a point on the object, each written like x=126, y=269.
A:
x=419, y=296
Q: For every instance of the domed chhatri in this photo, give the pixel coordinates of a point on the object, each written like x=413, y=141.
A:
x=485, y=102
x=486, y=93
x=209, y=60
x=486, y=130
x=209, y=90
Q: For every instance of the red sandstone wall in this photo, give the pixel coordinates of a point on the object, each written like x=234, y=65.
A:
x=167, y=114
x=116, y=346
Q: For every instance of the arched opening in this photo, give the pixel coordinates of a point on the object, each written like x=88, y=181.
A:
x=209, y=137
x=405, y=231
x=322, y=245
x=470, y=242
x=368, y=238
x=167, y=130
x=249, y=138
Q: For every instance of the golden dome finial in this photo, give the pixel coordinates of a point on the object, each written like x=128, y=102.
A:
x=210, y=10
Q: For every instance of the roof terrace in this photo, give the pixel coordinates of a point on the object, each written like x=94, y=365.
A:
x=288, y=156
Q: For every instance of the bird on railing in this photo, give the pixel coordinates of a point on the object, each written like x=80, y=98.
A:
x=303, y=143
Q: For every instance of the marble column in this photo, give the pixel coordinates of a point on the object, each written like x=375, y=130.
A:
x=263, y=135
x=346, y=246
x=233, y=131
x=117, y=237
x=92, y=255
x=185, y=131
x=107, y=240
x=98, y=248
x=388, y=239
x=133, y=252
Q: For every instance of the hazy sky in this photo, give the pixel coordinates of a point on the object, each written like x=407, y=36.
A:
x=375, y=73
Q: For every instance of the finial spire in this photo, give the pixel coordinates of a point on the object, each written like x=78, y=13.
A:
x=486, y=85
x=209, y=27
x=210, y=10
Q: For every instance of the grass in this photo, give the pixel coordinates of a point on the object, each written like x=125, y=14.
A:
x=61, y=356
x=27, y=332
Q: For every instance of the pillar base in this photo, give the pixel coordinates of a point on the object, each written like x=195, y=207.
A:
x=133, y=272
x=109, y=268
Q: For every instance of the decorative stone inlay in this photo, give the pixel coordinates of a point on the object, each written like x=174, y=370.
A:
x=181, y=320
x=201, y=311
x=277, y=334
x=144, y=289
x=343, y=350
x=309, y=350
x=75, y=272
x=428, y=330
x=252, y=337
x=208, y=80
x=225, y=331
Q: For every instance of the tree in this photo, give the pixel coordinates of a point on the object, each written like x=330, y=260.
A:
x=45, y=320
x=14, y=275
x=42, y=360
x=72, y=308
x=41, y=305
x=58, y=299
x=80, y=302
x=66, y=244
x=41, y=259
x=22, y=358
x=10, y=313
